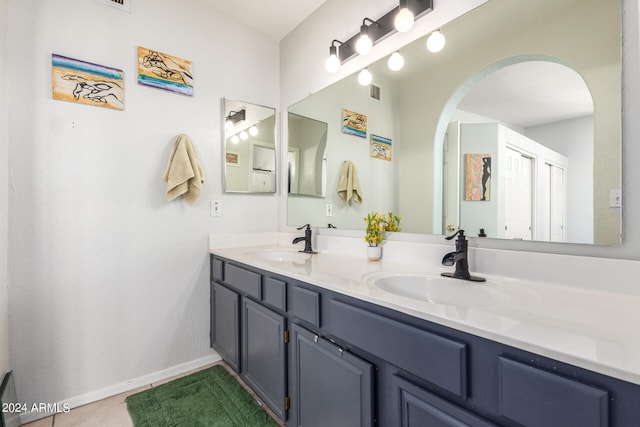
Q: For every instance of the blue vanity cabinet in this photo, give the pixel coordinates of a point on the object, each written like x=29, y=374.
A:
x=330, y=386
x=225, y=324
x=354, y=363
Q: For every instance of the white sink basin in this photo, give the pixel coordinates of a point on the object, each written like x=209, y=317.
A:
x=282, y=255
x=438, y=289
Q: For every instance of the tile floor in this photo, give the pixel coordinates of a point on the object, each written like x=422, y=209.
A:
x=112, y=411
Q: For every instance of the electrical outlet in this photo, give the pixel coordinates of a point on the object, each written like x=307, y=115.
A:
x=216, y=208
x=329, y=211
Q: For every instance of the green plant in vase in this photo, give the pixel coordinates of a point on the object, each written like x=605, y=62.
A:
x=377, y=225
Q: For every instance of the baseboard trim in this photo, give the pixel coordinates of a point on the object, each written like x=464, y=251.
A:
x=112, y=390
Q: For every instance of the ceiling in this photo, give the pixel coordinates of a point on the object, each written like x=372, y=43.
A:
x=275, y=18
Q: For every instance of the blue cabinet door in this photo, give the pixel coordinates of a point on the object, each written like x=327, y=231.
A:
x=225, y=324
x=332, y=386
x=264, y=354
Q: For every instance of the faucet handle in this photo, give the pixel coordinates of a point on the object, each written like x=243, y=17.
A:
x=460, y=232
x=307, y=226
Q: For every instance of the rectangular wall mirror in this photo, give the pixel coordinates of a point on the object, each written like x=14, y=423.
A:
x=249, y=147
x=512, y=131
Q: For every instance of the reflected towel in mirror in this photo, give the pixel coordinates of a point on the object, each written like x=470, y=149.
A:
x=348, y=185
x=183, y=174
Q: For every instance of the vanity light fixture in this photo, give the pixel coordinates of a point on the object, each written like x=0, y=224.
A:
x=404, y=19
x=364, y=43
x=233, y=118
x=244, y=135
x=436, y=41
x=332, y=64
x=396, y=61
x=235, y=139
x=365, y=77
x=253, y=130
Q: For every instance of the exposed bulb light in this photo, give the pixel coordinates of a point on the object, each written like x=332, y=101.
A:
x=436, y=41
x=365, y=77
x=235, y=139
x=395, y=62
x=332, y=64
x=253, y=130
x=244, y=135
x=228, y=125
x=404, y=19
x=364, y=45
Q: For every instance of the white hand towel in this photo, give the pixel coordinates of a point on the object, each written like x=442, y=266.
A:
x=183, y=174
x=348, y=185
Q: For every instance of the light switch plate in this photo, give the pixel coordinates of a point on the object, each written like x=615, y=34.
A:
x=615, y=198
x=216, y=208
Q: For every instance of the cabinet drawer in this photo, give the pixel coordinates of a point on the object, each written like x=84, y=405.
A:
x=244, y=280
x=305, y=305
x=534, y=397
x=436, y=359
x=274, y=293
x=217, y=269
x=416, y=407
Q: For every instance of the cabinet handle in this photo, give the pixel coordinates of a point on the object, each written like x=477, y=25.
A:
x=316, y=338
x=340, y=351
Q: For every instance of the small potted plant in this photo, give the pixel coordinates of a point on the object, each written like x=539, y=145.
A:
x=377, y=225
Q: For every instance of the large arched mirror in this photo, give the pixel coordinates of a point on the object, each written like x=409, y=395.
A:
x=567, y=52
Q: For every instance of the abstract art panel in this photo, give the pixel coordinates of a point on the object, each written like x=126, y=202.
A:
x=354, y=123
x=380, y=147
x=157, y=69
x=86, y=83
x=477, y=185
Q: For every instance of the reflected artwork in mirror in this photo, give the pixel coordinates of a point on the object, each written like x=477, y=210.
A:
x=249, y=147
x=528, y=113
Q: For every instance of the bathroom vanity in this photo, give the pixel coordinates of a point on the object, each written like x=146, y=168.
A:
x=321, y=346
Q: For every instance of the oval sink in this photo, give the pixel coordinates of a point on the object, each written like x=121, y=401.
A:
x=438, y=289
x=280, y=255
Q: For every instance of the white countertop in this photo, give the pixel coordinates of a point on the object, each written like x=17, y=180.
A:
x=592, y=329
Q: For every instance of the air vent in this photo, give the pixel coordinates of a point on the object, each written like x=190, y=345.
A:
x=374, y=92
x=123, y=5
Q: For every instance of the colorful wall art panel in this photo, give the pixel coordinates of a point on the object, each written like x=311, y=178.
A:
x=477, y=185
x=86, y=83
x=164, y=71
x=380, y=147
x=354, y=123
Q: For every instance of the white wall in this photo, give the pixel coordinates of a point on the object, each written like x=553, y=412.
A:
x=4, y=167
x=109, y=281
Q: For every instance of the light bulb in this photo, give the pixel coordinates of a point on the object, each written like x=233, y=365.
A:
x=436, y=41
x=244, y=135
x=253, y=131
x=228, y=125
x=235, y=139
x=403, y=20
x=332, y=64
x=395, y=62
x=364, y=43
x=365, y=77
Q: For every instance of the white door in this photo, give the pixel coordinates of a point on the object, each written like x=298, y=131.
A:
x=518, y=195
x=556, y=204
x=450, y=181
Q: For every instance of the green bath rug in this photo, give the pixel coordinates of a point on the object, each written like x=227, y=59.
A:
x=208, y=398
